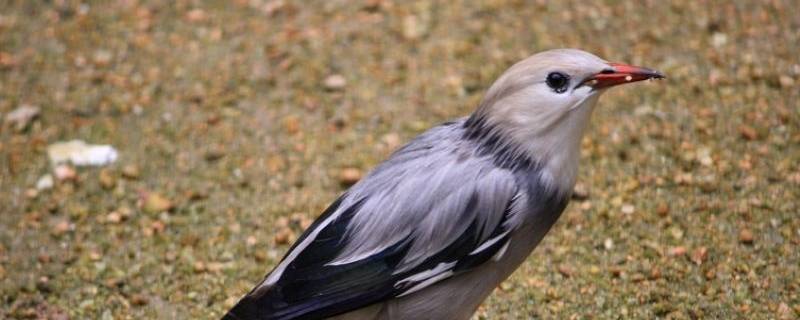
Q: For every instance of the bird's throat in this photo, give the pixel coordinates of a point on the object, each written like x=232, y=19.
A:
x=557, y=150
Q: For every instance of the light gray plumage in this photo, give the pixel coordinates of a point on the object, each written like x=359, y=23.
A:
x=435, y=228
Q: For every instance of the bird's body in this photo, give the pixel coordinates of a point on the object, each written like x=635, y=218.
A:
x=430, y=232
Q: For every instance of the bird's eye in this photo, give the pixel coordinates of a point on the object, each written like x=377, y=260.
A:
x=558, y=81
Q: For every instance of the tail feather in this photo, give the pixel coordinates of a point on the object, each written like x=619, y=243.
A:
x=270, y=307
x=246, y=309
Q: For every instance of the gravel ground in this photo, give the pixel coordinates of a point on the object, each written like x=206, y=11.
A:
x=237, y=122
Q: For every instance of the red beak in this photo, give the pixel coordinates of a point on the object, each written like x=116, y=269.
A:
x=620, y=73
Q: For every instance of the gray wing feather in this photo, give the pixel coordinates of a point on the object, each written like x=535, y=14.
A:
x=436, y=208
x=422, y=193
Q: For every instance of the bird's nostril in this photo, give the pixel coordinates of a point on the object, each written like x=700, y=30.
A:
x=607, y=71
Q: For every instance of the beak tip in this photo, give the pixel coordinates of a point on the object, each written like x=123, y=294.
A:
x=623, y=73
x=658, y=75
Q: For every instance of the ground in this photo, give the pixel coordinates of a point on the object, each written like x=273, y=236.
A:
x=238, y=122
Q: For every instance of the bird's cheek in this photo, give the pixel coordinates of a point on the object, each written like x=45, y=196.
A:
x=545, y=117
x=583, y=91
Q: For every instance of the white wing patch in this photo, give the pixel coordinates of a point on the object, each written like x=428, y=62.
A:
x=427, y=283
x=445, y=270
x=428, y=277
x=488, y=243
x=497, y=256
x=439, y=268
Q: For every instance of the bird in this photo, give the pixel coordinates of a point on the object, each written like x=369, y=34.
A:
x=431, y=231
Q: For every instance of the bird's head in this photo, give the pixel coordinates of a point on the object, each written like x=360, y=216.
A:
x=542, y=104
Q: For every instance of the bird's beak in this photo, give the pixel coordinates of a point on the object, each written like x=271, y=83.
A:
x=620, y=73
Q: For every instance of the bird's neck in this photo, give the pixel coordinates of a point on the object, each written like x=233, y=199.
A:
x=553, y=149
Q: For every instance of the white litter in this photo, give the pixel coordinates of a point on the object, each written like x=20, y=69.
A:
x=65, y=172
x=80, y=153
x=45, y=182
x=22, y=116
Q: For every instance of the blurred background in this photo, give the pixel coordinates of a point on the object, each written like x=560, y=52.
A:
x=233, y=124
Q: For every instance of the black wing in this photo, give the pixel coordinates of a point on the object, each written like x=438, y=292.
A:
x=309, y=288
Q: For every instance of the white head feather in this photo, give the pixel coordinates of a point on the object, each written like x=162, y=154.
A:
x=545, y=124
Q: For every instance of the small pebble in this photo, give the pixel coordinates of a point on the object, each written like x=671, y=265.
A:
x=786, y=81
x=655, y=273
x=785, y=312
x=711, y=274
x=214, y=154
x=45, y=182
x=748, y=132
x=139, y=300
x=676, y=232
x=705, y=158
x=130, y=172
x=292, y=124
x=580, y=192
x=305, y=222
x=7, y=59
x=158, y=226
x=65, y=173
x=663, y=209
x=61, y=228
x=199, y=266
x=565, y=270
x=196, y=195
x=335, y=82
x=31, y=193
x=594, y=269
x=113, y=217
x=699, y=255
x=196, y=15
x=677, y=251
x=719, y=39
x=44, y=258
x=260, y=256
x=125, y=212
x=107, y=179
x=413, y=28
x=251, y=241
x=349, y=176
x=284, y=236
x=95, y=256
x=215, y=266
x=102, y=58
x=282, y=222
x=230, y=302
x=20, y=118
x=391, y=140
x=155, y=203
x=628, y=209
x=608, y=244
x=746, y=236
x=43, y=284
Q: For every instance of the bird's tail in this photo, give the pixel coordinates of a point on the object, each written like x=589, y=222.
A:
x=245, y=309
